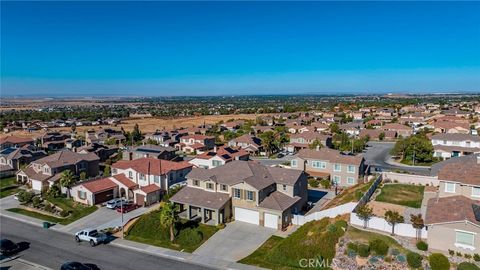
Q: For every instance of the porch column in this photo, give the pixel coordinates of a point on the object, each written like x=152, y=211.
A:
x=202, y=210
x=189, y=210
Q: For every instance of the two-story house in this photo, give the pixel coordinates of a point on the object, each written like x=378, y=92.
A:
x=54, y=140
x=245, y=190
x=12, y=158
x=401, y=130
x=219, y=156
x=46, y=171
x=303, y=140
x=343, y=170
x=104, y=134
x=447, y=145
x=250, y=143
x=453, y=216
x=196, y=143
x=14, y=141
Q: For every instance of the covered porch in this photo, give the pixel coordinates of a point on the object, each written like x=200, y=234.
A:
x=210, y=208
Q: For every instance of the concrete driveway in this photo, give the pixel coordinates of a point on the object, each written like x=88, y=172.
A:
x=235, y=242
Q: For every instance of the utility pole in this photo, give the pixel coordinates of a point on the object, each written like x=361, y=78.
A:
x=121, y=210
x=413, y=155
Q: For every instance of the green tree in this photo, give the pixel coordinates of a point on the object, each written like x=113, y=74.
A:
x=106, y=171
x=393, y=218
x=334, y=128
x=314, y=144
x=417, y=223
x=365, y=213
x=83, y=175
x=416, y=149
x=67, y=180
x=268, y=142
x=136, y=134
x=168, y=218
x=381, y=136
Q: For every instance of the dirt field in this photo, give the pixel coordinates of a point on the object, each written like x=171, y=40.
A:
x=150, y=124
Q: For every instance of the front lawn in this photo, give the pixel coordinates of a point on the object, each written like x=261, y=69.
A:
x=351, y=194
x=189, y=235
x=401, y=194
x=76, y=211
x=314, y=240
x=8, y=186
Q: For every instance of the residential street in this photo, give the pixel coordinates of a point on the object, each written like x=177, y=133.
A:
x=378, y=154
x=51, y=249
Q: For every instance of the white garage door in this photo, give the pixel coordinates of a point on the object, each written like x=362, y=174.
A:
x=246, y=215
x=271, y=221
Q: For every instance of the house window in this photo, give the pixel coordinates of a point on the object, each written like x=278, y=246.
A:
x=196, y=183
x=114, y=171
x=350, y=180
x=351, y=169
x=464, y=239
x=284, y=187
x=209, y=185
x=236, y=193
x=130, y=175
x=475, y=191
x=156, y=179
x=319, y=164
x=216, y=163
x=449, y=187
x=336, y=179
x=142, y=176
x=337, y=168
x=82, y=195
x=293, y=163
x=250, y=195
x=224, y=187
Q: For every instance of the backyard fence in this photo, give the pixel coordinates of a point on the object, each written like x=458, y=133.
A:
x=411, y=179
x=380, y=224
x=330, y=213
x=366, y=197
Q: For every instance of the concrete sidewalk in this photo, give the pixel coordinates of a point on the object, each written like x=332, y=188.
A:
x=182, y=256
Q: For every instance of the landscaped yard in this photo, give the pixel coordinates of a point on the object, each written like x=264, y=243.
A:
x=366, y=236
x=351, y=194
x=76, y=210
x=401, y=194
x=314, y=240
x=189, y=235
x=8, y=186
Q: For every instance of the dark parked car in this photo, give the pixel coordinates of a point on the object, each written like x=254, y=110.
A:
x=8, y=247
x=127, y=208
x=78, y=266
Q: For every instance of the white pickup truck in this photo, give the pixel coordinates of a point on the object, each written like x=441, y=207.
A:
x=90, y=235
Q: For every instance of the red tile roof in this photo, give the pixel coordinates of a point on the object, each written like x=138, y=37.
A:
x=125, y=181
x=151, y=166
x=15, y=139
x=99, y=185
x=150, y=188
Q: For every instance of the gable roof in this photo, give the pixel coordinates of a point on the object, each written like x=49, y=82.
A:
x=278, y=201
x=66, y=157
x=99, y=185
x=151, y=166
x=465, y=169
x=121, y=178
x=15, y=140
x=456, y=137
x=451, y=209
x=331, y=155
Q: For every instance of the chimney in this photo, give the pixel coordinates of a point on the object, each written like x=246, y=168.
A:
x=215, y=149
x=318, y=148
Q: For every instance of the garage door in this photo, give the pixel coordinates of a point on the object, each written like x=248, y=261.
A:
x=246, y=215
x=103, y=196
x=271, y=221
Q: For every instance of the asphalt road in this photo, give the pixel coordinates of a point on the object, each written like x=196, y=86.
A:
x=51, y=249
x=378, y=152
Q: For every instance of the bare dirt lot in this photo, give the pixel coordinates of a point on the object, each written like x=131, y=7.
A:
x=149, y=124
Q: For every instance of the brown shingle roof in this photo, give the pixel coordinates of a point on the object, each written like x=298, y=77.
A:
x=15, y=140
x=456, y=137
x=199, y=197
x=278, y=201
x=66, y=157
x=463, y=169
x=450, y=209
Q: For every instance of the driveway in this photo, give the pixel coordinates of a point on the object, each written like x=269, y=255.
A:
x=104, y=218
x=235, y=242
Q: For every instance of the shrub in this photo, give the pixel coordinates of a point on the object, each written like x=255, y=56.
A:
x=414, y=260
x=388, y=259
x=438, y=261
x=467, y=266
x=25, y=196
x=313, y=182
x=190, y=236
x=53, y=191
x=48, y=207
x=352, y=246
x=363, y=250
x=36, y=201
x=379, y=247
x=64, y=213
x=451, y=252
x=459, y=254
x=476, y=257
x=326, y=183
x=467, y=256
x=422, y=245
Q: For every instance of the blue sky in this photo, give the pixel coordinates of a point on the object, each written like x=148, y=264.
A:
x=215, y=48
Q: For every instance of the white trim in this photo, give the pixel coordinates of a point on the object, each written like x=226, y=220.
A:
x=473, y=188
x=454, y=187
x=460, y=245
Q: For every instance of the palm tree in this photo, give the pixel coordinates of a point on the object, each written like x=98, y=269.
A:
x=393, y=218
x=168, y=218
x=67, y=180
x=365, y=213
x=417, y=223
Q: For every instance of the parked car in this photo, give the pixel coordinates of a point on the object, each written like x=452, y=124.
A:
x=8, y=247
x=114, y=203
x=78, y=266
x=127, y=207
x=92, y=236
